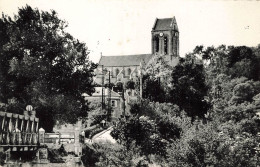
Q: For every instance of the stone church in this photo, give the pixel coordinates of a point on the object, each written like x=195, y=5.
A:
x=164, y=41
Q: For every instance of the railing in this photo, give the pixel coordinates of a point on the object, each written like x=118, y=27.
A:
x=60, y=138
x=18, y=129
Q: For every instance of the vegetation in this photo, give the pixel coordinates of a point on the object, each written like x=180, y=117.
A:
x=130, y=84
x=209, y=118
x=2, y=158
x=189, y=87
x=202, y=112
x=43, y=65
x=156, y=80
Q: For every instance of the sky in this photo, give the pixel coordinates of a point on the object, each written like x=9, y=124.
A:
x=123, y=27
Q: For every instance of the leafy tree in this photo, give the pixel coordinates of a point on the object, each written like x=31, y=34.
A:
x=226, y=136
x=234, y=61
x=130, y=84
x=153, y=89
x=143, y=132
x=151, y=128
x=205, y=145
x=43, y=65
x=189, y=86
x=102, y=154
x=156, y=79
x=118, y=87
x=107, y=85
x=243, y=62
x=245, y=91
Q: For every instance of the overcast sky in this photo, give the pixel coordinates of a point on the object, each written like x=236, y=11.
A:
x=123, y=27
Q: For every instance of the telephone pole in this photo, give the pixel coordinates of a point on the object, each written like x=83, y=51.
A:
x=123, y=96
x=102, y=84
x=141, y=81
x=109, y=98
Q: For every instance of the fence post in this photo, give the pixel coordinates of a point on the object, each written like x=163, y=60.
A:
x=77, y=146
x=59, y=136
x=41, y=135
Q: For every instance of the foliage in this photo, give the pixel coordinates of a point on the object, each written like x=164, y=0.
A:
x=130, y=84
x=96, y=115
x=89, y=156
x=42, y=65
x=153, y=90
x=152, y=127
x=156, y=77
x=226, y=133
x=2, y=158
x=204, y=145
x=240, y=61
x=189, y=87
x=243, y=62
x=106, y=85
x=55, y=156
x=105, y=155
x=118, y=155
x=157, y=67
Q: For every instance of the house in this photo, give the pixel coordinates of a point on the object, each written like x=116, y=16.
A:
x=116, y=100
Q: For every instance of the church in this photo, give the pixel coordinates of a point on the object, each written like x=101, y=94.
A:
x=122, y=68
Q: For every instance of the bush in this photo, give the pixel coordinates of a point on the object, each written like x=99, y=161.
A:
x=89, y=156
x=130, y=84
x=54, y=156
x=2, y=158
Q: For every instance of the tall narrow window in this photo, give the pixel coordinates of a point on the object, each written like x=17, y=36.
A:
x=129, y=71
x=165, y=39
x=117, y=71
x=156, y=44
x=175, y=44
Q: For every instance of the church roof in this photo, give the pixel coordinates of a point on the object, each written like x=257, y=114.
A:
x=98, y=93
x=127, y=60
x=165, y=24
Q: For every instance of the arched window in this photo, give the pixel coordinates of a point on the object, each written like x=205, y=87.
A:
x=156, y=44
x=165, y=40
x=175, y=44
x=117, y=71
x=129, y=71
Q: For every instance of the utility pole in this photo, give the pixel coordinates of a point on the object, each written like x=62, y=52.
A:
x=109, y=98
x=141, y=81
x=102, y=84
x=123, y=95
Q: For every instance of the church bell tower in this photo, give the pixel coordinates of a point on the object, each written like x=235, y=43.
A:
x=165, y=38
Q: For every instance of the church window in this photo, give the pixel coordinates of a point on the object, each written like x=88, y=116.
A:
x=117, y=71
x=165, y=45
x=156, y=43
x=129, y=71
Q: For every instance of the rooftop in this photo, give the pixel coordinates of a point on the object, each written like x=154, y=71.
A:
x=126, y=60
x=165, y=24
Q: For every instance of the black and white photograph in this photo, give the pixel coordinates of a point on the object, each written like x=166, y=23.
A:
x=130, y=83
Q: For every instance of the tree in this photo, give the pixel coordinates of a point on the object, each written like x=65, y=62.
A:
x=45, y=66
x=130, y=84
x=243, y=62
x=153, y=89
x=234, y=61
x=151, y=127
x=189, y=86
x=156, y=79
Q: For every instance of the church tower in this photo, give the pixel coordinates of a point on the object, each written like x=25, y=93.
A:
x=165, y=39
